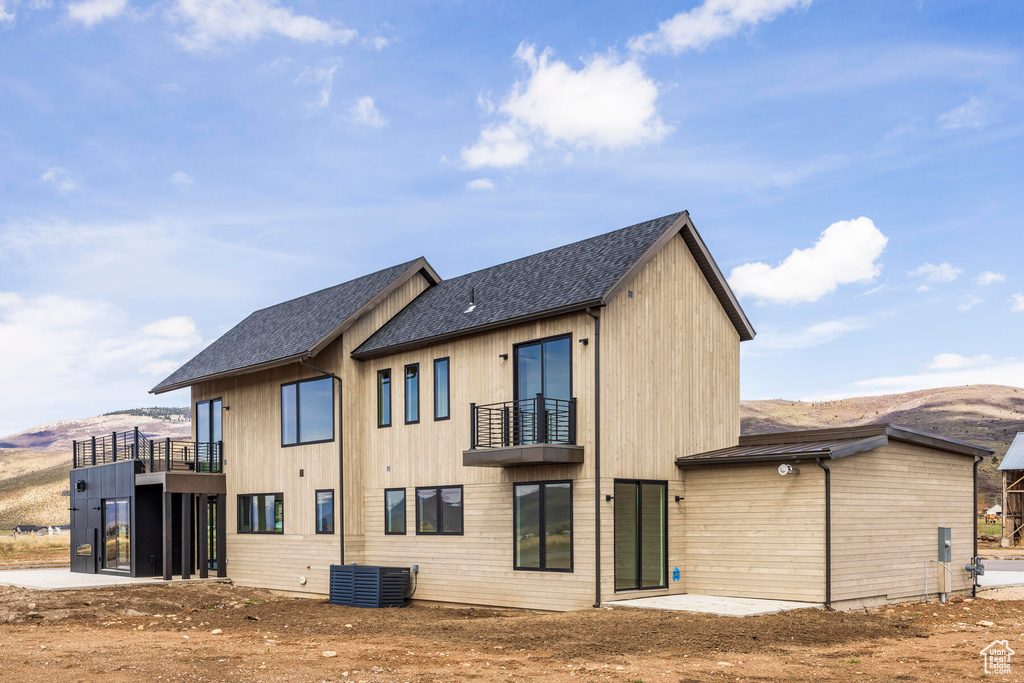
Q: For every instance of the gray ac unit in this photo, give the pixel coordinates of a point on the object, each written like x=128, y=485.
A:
x=357, y=585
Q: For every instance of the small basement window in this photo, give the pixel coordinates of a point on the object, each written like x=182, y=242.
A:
x=325, y=511
x=394, y=511
x=439, y=510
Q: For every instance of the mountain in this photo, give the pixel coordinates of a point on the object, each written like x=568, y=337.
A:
x=984, y=415
x=35, y=463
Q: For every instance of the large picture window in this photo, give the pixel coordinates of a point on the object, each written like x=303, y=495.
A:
x=442, y=390
x=261, y=513
x=394, y=511
x=412, y=393
x=384, y=398
x=542, y=517
x=307, y=411
x=325, y=511
x=439, y=510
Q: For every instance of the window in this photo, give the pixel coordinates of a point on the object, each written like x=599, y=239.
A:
x=208, y=435
x=439, y=510
x=261, y=513
x=442, y=387
x=641, y=534
x=412, y=393
x=394, y=511
x=117, y=537
x=307, y=411
x=325, y=511
x=384, y=398
x=542, y=518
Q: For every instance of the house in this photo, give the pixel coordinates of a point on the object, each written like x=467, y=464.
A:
x=1012, y=469
x=548, y=433
x=26, y=529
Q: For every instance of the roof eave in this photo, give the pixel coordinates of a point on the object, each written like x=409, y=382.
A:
x=499, y=324
x=833, y=453
x=231, y=373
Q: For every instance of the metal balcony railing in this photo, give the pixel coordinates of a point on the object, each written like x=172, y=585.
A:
x=156, y=455
x=537, y=420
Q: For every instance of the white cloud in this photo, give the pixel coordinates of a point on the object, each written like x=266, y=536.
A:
x=182, y=179
x=480, y=184
x=68, y=347
x=988, y=277
x=91, y=12
x=607, y=103
x=365, y=112
x=1008, y=371
x=323, y=77
x=697, y=28
x=846, y=252
x=923, y=288
x=943, y=272
x=60, y=179
x=380, y=42
x=500, y=147
x=970, y=303
x=954, y=361
x=1017, y=302
x=209, y=23
x=769, y=341
x=970, y=114
x=7, y=14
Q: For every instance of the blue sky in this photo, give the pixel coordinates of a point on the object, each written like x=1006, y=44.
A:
x=168, y=167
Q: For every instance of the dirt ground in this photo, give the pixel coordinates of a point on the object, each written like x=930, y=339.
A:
x=34, y=551
x=217, y=632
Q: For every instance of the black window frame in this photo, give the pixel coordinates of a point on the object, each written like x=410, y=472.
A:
x=298, y=412
x=405, y=512
x=316, y=511
x=238, y=508
x=195, y=420
x=447, y=387
x=542, y=526
x=440, y=511
x=639, y=540
x=515, y=363
x=405, y=394
x=380, y=403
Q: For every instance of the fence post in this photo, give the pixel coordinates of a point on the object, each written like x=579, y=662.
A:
x=113, y=446
x=220, y=456
x=472, y=426
x=167, y=455
x=572, y=421
x=94, y=450
x=150, y=456
x=541, y=419
x=74, y=453
x=135, y=453
x=506, y=427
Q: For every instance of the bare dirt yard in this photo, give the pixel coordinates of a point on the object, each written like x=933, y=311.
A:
x=216, y=632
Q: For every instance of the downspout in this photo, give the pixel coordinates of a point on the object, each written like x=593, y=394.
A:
x=341, y=458
x=597, y=456
x=828, y=533
x=974, y=558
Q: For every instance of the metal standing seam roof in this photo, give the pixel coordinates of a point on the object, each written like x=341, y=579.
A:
x=1014, y=458
x=560, y=280
x=292, y=329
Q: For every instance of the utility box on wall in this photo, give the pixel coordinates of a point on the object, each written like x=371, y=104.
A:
x=945, y=544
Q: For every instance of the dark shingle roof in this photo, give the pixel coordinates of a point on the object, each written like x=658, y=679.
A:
x=558, y=280
x=286, y=330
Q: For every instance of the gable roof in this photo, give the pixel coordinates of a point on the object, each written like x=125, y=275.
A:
x=294, y=329
x=565, y=279
x=1014, y=458
x=827, y=444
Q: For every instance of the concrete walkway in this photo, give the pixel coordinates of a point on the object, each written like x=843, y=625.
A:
x=712, y=604
x=64, y=579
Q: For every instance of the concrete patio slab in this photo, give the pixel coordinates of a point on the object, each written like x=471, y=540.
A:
x=1000, y=578
x=64, y=579
x=713, y=604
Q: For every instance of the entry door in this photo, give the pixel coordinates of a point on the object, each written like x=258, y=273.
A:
x=208, y=432
x=211, y=532
x=117, y=532
x=641, y=539
x=542, y=367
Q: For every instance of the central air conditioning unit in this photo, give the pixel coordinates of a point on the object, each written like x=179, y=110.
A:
x=356, y=585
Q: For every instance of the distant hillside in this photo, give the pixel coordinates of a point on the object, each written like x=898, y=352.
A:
x=35, y=464
x=984, y=415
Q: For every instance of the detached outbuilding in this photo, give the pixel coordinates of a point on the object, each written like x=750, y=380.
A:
x=847, y=517
x=1012, y=469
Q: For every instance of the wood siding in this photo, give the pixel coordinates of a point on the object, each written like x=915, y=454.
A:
x=752, y=533
x=887, y=506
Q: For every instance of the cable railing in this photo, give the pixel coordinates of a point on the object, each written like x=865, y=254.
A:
x=538, y=420
x=156, y=455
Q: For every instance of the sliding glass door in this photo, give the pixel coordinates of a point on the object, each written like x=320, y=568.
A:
x=641, y=539
x=117, y=534
x=543, y=368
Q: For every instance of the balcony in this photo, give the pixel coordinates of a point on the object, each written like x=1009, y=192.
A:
x=156, y=455
x=533, y=431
